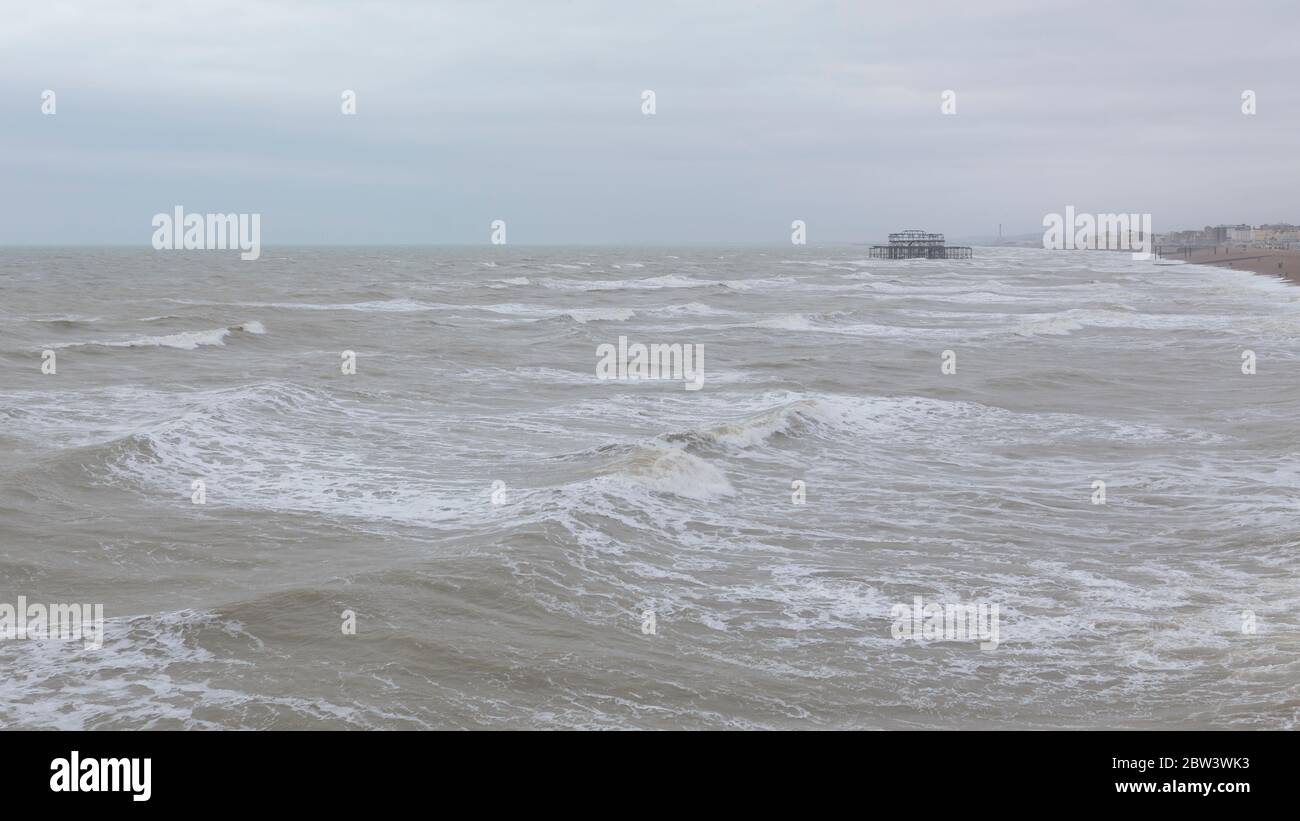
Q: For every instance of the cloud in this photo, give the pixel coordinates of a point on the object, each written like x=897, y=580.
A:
x=767, y=112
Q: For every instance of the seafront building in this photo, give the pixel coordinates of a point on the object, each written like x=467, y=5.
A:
x=1270, y=236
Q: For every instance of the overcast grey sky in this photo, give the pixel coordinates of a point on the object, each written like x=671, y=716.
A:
x=530, y=112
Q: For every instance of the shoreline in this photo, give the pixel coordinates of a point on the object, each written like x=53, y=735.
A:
x=1284, y=264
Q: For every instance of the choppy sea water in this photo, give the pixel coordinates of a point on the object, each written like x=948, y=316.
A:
x=373, y=492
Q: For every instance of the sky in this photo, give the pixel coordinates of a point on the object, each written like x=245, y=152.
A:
x=532, y=113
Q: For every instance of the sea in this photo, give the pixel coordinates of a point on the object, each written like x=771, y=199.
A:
x=389, y=488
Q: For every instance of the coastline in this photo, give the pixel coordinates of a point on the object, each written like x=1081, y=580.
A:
x=1284, y=264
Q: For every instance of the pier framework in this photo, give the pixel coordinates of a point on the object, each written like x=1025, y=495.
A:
x=914, y=244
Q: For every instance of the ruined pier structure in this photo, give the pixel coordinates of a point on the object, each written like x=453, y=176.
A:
x=915, y=244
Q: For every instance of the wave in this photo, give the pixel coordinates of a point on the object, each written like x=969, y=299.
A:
x=800, y=323
x=1122, y=317
x=674, y=471
x=925, y=420
x=137, y=653
x=370, y=306
x=542, y=312
x=689, y=309
x=756, y=429
x=585, y=315
x=1288, y=324
x=609, y=314
x=1054, y=326
x=186, y=341
x=788, y=322
x=666, y=281
x=274, y=446
x=992, y=325
x=70, y=321
x=180, y=658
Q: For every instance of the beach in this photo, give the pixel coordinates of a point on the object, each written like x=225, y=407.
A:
x=1285, y=264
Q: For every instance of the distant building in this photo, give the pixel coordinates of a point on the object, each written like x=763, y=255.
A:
x=1280, y=235
x=1241, y=233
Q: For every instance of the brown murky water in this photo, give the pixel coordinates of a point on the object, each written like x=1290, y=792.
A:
x=373, y=492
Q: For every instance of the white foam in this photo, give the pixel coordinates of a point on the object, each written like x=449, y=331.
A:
x=690, y=309
x=1053, y=326
x=674, y=471
x=185, y=341
x=371, y=306
x=585, y=315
